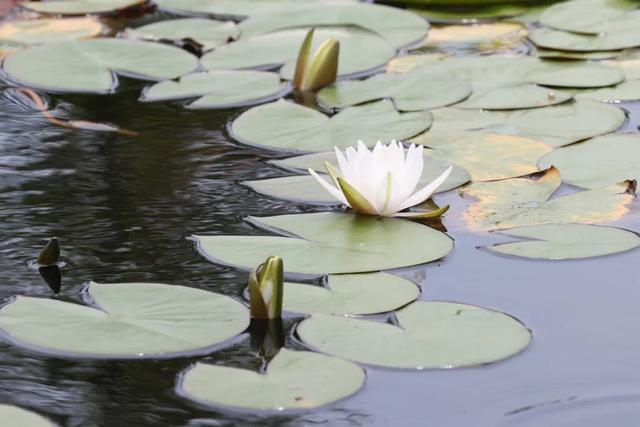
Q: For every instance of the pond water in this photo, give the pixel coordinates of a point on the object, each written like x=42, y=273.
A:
x=123, y=207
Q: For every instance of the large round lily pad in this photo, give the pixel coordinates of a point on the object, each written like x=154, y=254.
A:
x=562, y=40
x=219, y=89
x=360, y=51
x=555, y=125
x=89, y=65
x=397, y=26
x=131, y=320
x=486, y=156
x=430, y=335
x=591, y=16
x=292, y=380
x=79, y=7
x=567, y=241
x=207, y=32
x=39, y=31
x=415, y=91
x=351, y=295
x=14, y=416
x=306, y=189
x=525, y=201
x=330, y=242
x=599, y=161
x=283, y=125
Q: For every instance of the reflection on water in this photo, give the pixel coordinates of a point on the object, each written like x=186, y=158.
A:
x=123, y=207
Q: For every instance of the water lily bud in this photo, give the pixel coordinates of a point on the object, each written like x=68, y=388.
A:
x=50, y=253
x=303, y=59
x=266, y=289
x=323, y=69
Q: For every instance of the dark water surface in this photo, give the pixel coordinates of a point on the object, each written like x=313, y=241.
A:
x=123, y=207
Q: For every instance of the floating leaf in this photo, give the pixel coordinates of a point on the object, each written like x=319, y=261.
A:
x=39, y=31
x=407, y=63
x=591, y=16
x=567, y=241
x=525, y=201
x=206, y=32
x=14, y=416
x=235, y=9
x=562, y=54
x=89, y=65
x=514, y=96
x=360, y=51
x=562, y=40
x=293, y=380
x=219, y=89
x=599, y=161
x=468, y=14
x=414, y=91
x=555, y=125
x=306, y=189
x=398, y=27
x=283, y=125
x=431, y=334
x=629, y=90
x=132, y=320
x=351, y=294
x=79, y=7
x=486, y=156
x=330, y=243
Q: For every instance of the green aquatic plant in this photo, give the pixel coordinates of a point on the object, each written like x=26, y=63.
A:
x=322, y=69
x=266, y=289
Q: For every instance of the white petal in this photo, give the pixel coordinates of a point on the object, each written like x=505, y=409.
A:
x=427, y=191
x=335, y=192
x=342, y=161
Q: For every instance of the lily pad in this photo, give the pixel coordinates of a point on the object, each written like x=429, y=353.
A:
x=40, y=31
x=590, y=16
x=351, y=295
x=90, y=65
x=79, y=7
x=283, y=125
x=514, y=96
x=562, y=40
x=234, y=9
x=306, y=189
x=219, y=89
x=131, y=320
x=14, y=416
x=525, y=201
x=207, y=32
x=599, y=161
x=626, y=91
x=567, y=241
x=360, y=51
x=292, y=380
x=486, y=156
x=330, y=243
x=429, y=335
x=468, y=15
x=414, y=91
x=556, y=125
x=399, y=27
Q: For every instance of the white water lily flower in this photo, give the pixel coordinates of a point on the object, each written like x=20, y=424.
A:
x=382, y=181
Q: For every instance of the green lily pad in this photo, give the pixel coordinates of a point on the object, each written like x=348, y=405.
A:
x=283, y=125
x=235, y=9
x=562, y=40
x=399, y=27
x=486, y=156
x=351, y=295
x=525, y=201
x=40, y=31
x=599, y=161
x=514, y=96
x=89, y=65
x=292, y=380
x=79, y=7
x=555, y=125
x=360, y=51
x=430, y=335
x=14, y=416
x=561, y=54
x=567, y=241
x=207, y=32
x=219, y=89
x=131, y=320
x=590, y=16
x=305, y=188
x=414, y=91
x=330, y=243
x=468, y=14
